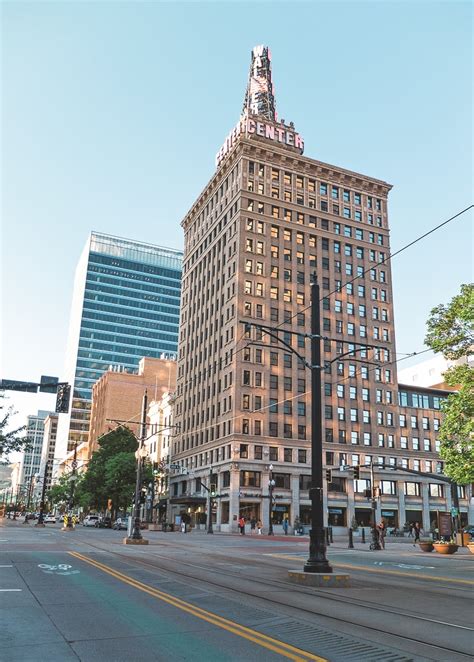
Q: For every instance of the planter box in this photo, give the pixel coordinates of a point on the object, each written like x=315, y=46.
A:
x=445, y=548
x=426, y=546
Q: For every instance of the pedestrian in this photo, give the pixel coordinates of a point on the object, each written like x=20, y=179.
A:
x=253, y=524
x=411, y=528
x=285, y=526
x=242, y=525
x=417, y=530
x=259, y=527
x=382, y=531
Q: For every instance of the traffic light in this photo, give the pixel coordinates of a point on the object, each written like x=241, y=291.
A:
x=62, y=398
x=368, y=494
x=329, y=475
x=143, y=495
x=356, y=473
x=213, y=489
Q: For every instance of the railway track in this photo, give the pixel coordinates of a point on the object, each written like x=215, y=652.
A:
x=358, y=618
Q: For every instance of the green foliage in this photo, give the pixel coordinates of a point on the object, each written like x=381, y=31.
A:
x=60, y=493
x=451, y=332
x=111, y=473
x=451, y=327
x=457, y=431
x=9, y=440
x=120, y=479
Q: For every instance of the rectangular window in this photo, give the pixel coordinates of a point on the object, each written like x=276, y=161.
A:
x=250, y=478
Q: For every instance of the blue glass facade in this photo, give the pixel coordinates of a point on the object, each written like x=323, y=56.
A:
x=126, y=306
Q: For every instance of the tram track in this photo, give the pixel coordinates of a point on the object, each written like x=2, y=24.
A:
x=165, y=564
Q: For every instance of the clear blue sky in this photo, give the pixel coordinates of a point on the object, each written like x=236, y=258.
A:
x=112, y=114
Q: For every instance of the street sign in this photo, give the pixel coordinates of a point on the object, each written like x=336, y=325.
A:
x=48, y=384
x=454, y=512
x=14, y=385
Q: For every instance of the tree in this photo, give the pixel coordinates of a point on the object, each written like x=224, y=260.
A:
x=111, y=473
x=121, y=474
x=60, y=493
x=451, y=333
x=9, y=440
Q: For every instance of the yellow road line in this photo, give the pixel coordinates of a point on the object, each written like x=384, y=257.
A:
x=383, y=571
x=279, y=647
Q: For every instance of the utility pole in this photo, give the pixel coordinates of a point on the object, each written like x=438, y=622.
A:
x=136, y=535
x=317, y=561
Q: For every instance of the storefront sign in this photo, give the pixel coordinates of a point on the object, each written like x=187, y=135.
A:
x=251, y=126
x=336, y=511
x=445, y=524
x=388, y=513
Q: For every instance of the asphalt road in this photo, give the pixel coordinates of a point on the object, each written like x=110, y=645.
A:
x=84, y=595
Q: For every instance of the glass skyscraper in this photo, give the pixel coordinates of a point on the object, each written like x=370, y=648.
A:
x=125, y=306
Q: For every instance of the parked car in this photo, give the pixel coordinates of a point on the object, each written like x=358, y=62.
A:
x=90, y=520
x=121, y=524
x=49, y=519
x=104, y=523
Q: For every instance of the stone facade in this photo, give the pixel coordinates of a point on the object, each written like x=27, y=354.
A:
x=267, y=221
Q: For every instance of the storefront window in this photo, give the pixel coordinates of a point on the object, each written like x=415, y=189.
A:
x=337, y=517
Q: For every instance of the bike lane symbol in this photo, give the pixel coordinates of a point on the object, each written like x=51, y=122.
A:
x=60, y=569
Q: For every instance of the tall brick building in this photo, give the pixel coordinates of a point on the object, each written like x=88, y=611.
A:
x=118, y=394
x=268, y=220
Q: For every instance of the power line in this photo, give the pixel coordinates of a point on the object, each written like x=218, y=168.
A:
x=377, y=264
x=339, y=289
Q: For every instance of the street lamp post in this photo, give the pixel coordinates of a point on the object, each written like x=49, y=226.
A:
x=271, y=485
x=136, y=533
x=40, y=521
x=69, y=523
x=317, y=561
x=375, y=538
x=209, y=504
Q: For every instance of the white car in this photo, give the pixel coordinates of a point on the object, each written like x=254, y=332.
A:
x=90, y=520
x=49, y=519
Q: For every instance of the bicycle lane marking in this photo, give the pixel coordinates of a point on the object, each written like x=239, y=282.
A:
x=279, y=647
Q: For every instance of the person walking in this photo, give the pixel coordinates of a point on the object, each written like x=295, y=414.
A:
x=285, y=526
x=242, y=525
x=382, y=531
x=253, y=524
x=259, y=527
x=417, y=530
x=411, y=527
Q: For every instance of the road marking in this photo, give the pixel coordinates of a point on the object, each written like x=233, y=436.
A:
x=10, y=590
x=406, y=565
x=279, y=647
x=6, y=566
x=385, y=572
